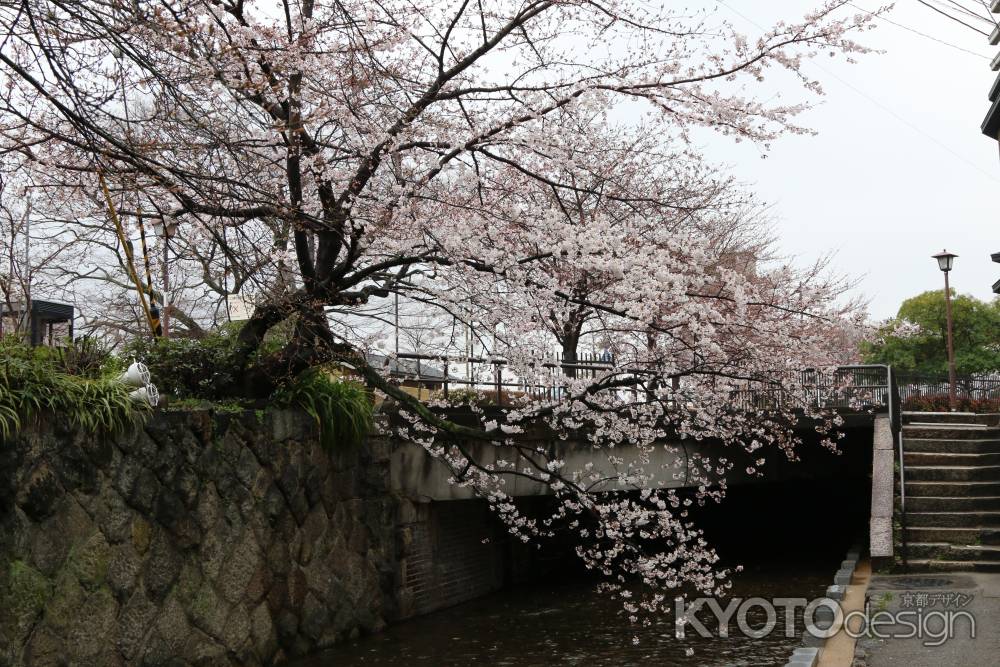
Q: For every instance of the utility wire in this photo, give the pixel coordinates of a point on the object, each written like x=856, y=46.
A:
x=917, y=32
x=954, y=18
x=881, y=106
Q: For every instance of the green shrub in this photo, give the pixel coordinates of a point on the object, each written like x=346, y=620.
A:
x=204, y=369
x=36, y=381
x=86, y=357
x=186, y=367
x=342, y=408
x=941, y=403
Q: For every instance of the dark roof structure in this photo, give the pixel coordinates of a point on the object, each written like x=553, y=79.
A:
x=43, y=317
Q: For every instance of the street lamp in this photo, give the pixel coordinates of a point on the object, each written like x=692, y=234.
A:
x=945, y=261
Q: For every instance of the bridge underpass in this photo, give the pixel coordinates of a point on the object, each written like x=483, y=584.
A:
x=452, y=549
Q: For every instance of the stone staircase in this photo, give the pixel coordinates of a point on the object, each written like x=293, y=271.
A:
x=952, y=473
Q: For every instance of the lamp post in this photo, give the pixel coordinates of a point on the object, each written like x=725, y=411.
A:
x=945, y=261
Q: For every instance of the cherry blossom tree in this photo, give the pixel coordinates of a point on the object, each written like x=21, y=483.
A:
x=626, y=197
x=29, y=250
x=408, y=147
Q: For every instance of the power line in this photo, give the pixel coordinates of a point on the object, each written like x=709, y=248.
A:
x=953, y=18
x=917, y=32
x=883, y=107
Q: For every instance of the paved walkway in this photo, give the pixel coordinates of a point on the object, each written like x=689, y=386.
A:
x=839, y=649
x=931, y=597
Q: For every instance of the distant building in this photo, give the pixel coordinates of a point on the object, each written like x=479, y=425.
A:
x=991, y=124
x=48, y=323
x=996, y=258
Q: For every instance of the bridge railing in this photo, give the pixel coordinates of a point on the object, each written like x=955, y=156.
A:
x=846, y=387
x=922, y=392
x=492, y=376
x=858, y=387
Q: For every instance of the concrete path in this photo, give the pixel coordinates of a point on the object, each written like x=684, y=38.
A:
x=839, y=649
x=931, y=599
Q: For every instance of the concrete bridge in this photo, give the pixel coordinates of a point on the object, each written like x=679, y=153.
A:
x=453, y=550
x=670, y=465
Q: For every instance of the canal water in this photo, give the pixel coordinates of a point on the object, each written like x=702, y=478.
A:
x=789, y=539
x=567, y=623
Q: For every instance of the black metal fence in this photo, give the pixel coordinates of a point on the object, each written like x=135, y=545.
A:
x=441, y=375
x=857, y=387
x=444, y=374
x=931, y=392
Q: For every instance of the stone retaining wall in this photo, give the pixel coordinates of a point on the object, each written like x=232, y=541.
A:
x=199, y=538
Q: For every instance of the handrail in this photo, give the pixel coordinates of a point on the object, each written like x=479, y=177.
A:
x=896, y=427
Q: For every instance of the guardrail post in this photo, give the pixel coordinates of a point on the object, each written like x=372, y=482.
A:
x=496, y=375
x=445, y=359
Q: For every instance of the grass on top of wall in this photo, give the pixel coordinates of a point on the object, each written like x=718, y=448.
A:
x=74, y=384
x=342, y=408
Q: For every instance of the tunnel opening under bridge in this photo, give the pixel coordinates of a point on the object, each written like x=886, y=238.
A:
x=805, y=513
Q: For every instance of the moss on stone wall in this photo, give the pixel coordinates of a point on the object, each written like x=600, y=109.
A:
x=198, y=538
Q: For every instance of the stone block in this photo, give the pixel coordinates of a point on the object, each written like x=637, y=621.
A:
x=880, y=539
x=94, y=627
x=162, y=567
x=807, y=653
x=836, y=592
x=46, y=648
x=236, y=634
x=134, y=621
x=265, y=638
x=39, y=492
x=172, y=626
x=810, y=640
x=209, y=612
x=67, y=601
x=89, y=561
x=315, y=617
x=882, y=483
x=239, y=568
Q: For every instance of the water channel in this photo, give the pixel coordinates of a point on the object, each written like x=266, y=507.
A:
x=790, y=539
x=566, y=623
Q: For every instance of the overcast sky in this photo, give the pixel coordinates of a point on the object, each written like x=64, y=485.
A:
x=899, y=169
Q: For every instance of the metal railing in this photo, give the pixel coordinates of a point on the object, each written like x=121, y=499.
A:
x=492, y=375
x=858, y=387
x=928, y=392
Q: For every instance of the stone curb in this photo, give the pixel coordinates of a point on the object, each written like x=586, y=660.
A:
x=808, y=654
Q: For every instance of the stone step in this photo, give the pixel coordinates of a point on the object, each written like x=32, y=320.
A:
x=946, y=551
x=918, y=489
x=952, y=503
x=950, y=459
x=950, y=431
x=982, y=419
x=952, y=473
x=959, y=536
x=971, y=446
x=952, y=519
x=927, y=565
